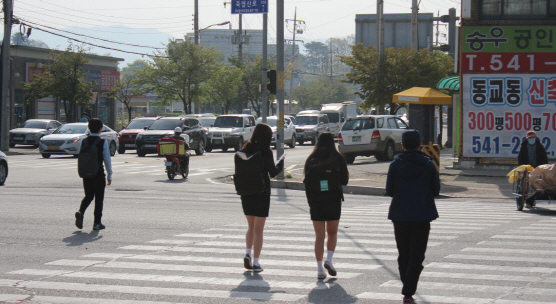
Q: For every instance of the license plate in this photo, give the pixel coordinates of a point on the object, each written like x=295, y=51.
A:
x=52, y=148
x=356, y=139
x=168, y=164
x=130, y=146
x=217, y=141
x=149, y=146
x=18, y=138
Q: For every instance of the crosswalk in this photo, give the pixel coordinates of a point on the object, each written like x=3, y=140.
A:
x=483, y=253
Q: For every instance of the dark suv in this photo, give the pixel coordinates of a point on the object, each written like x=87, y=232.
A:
x=147, y=140
x=129, y=133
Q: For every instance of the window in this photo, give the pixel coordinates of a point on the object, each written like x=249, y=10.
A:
x=518, y=9
x=380, y=122
x=392, y=123
x=252, y=121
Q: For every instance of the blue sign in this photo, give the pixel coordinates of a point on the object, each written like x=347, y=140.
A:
x=249, y=6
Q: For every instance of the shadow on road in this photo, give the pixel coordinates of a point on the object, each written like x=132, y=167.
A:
x=334, y=294
x=79, y=238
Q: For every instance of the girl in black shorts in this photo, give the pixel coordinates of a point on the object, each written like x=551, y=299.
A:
x=255, y=207
x=325, y=173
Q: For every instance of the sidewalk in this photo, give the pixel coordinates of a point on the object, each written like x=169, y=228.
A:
x=368, y=177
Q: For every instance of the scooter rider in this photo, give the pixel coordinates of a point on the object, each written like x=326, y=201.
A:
x=184, y=159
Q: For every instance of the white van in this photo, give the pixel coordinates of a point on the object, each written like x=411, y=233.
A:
x=338, y=113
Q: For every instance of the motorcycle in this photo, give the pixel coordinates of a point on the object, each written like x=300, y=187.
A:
x=174, y=150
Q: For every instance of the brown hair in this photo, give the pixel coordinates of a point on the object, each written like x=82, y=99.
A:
x=260, y=140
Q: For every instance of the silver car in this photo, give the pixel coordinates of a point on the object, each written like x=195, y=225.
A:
x=67, y=139
x=289, y=129
x=32, y=131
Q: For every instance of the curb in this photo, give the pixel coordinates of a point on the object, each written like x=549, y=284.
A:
x=359, y=190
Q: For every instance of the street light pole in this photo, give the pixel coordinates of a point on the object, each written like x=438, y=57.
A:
x=5, y=114
x=280, y=85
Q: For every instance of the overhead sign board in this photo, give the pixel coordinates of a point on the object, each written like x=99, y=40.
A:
x=249, y=6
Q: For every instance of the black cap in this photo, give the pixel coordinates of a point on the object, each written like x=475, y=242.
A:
x=411, y=138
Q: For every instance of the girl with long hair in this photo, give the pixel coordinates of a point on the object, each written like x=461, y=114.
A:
x=325, y=173
x=256, y=206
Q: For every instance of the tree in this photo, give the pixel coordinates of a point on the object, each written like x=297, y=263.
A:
x=321, y=91
x=124, y=91
x=64, y=80
x=316, y=57
x=223, y=88
x=399, y=70
x=249, y=89
x=19, y=39
x=177, y=72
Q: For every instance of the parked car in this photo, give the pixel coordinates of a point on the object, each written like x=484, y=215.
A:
x=67, y=139
x=147, y=140
x=308, y=126
x=378, y=135
x=289, y=129
x=129, y=133
x=230, y=131
x=32, y=131
x=3, y=168
x=207, y=122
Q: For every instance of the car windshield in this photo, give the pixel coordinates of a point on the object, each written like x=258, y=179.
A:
x=139, y=124
x=306, y=120
x=333, y=117
x=269, y=121
x=228, y=121
x=71, y=129
x=358, y=124
x=35, y=124
x=165, y=124
x=207, y=122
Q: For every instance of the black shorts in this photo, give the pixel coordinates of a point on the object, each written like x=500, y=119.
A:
x=325, y=210
x=256, y=205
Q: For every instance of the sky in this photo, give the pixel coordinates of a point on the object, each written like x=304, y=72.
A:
x=150, y=23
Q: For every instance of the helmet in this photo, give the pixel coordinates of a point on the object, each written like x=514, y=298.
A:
x=177, y=130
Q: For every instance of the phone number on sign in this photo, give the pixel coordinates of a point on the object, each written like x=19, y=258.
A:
x=511, y=121
x=492, y=145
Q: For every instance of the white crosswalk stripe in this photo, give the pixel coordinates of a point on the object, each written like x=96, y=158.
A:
x=196, y=267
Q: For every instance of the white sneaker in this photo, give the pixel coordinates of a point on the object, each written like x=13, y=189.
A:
x=330, y=267
x=321, y=275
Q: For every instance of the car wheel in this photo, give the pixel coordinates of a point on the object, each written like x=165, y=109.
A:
x=292, y=144
x=11, y=145
x=121, y=150
x=3, y=172
x=45, y=155
x=112, y=148
x=388, y=154
x=350, y=158
x=35, y=146
x=239, y=144
x=201, y=148
x=224, y=149
x=208, y=149
x=300, y=142
x=141, y=153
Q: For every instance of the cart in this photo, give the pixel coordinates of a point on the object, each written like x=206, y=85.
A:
x=525, y=195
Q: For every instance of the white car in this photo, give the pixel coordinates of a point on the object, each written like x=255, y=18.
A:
x=67, y=139
x=289, y=129
x=230, y=131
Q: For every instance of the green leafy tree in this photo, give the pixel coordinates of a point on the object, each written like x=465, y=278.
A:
x=321, y=91
x=399, y=70
x=19, y=39
x=64, y=80
x=223, y=88
x=249, y=94
x=177, y=72
x=124, y=91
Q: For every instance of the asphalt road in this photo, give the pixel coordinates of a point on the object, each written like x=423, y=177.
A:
x=181, y=241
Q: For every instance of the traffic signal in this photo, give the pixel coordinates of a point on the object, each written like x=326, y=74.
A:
x=272, y=81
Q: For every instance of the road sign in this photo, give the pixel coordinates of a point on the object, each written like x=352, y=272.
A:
x=249, y=6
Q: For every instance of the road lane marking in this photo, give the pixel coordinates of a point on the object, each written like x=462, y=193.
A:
x=439, y=299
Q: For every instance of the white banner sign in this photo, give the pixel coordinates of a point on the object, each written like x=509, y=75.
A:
x=499, y=109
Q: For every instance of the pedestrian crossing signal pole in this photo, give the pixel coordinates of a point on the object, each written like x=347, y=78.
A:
x=280, y=79
x=5, y=114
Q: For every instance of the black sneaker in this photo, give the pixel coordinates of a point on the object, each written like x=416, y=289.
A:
x=247, y=262
x=79, y=220
x=408, y=300
x=257, y=268
x=98, y=226
x=330, y=267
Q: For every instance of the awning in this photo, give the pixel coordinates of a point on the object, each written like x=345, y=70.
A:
x=449, y=83
x=425, y=96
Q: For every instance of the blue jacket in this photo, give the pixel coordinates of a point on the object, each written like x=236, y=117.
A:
x=412, y=182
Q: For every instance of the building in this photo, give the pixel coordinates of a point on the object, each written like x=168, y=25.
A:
x=27, y=62
x=508, y=79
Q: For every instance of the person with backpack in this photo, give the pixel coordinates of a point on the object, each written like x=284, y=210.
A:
x=253, y=165
x=413, y=183
x=325, y=173
x=94, y=152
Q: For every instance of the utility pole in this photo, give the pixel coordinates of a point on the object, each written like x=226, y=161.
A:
x=280, y=71
x=5, y=114
x=292, y=60
x=196, y=21
x=264, y=91
x=240, y=38
x=380, y=27
x=414, y=26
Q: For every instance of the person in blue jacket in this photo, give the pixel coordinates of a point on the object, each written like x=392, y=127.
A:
x=413, y=183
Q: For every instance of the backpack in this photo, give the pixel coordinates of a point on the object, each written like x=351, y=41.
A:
x=322, y=180
x=87, y=159
x=249, y=173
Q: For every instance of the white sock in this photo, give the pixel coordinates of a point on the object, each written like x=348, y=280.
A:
x=248, y=251
x=329, y=255
x=320, y=266
x=256, y=261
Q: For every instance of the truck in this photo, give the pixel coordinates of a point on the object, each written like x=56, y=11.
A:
x=338, y=113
